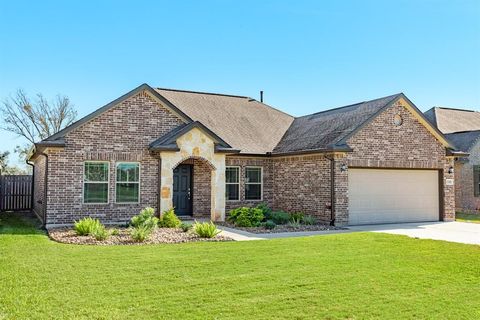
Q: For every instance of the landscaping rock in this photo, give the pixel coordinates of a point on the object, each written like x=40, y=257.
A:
x=160, y=235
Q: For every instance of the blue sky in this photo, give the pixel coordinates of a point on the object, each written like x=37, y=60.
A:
x=306, y=55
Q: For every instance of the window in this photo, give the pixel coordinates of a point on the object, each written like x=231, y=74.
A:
x=232, y=183
x=95, y=182
x=253, y=183
x=127, y=182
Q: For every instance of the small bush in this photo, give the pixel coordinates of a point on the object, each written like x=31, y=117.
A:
x=141, y=233
x=297, y=216
x=246, y=217
x=309, y=220
x=146, y=217
x=100, y=233
x=205, y=229
x=269, y=224
x=294, y=223
x=265, y=210
x=169, y=220
x=186, y=226
x=86, y=226
x=280, y=217
x=114, y=232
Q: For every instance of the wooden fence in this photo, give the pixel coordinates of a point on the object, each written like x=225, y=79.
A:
x=16, y=192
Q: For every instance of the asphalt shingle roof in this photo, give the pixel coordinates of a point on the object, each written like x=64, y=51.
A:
x=244, y=123
x=465, y=140
x=449, y=120
x=324, y=129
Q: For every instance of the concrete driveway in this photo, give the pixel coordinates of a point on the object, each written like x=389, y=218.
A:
x=461, y=232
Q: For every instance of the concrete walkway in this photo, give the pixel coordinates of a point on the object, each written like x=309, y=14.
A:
x=461, y=232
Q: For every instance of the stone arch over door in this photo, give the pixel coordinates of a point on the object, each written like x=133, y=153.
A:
x=195, y=145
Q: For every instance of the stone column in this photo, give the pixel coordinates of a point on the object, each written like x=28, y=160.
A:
x=218, y=191
x=166, y=190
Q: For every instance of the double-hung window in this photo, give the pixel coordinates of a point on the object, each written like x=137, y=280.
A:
x=95, y=182
x=232, y=183
x=127, y=184
x=476, y=181
x=253, y=183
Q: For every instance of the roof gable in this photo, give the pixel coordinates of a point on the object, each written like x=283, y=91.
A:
x=144, y=87
x=465, y=140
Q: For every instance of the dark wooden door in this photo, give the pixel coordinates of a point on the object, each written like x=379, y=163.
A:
x=182, y=189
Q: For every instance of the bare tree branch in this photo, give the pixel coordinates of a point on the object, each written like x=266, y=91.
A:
x=38, y=120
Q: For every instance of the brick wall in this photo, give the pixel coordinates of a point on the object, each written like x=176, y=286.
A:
x=302, y=183
x=39, y=186
x=123, y=133
x=464, y=190
x=382, y=144
x=268, y=180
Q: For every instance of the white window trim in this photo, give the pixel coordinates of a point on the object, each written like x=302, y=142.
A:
x=139, y=180
x=260, y=183
x=237, y=183
x=99, y=182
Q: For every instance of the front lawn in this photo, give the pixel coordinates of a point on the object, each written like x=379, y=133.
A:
x=467, y=217
x=345, y=276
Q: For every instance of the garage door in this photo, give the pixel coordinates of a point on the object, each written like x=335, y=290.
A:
x=391, y=196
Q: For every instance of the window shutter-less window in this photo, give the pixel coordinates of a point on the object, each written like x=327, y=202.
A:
x=476, y=180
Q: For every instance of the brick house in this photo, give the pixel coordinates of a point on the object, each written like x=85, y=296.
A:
x=377, y=161
x=462, y=128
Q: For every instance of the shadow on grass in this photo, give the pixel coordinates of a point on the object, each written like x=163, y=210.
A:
x=19, y=223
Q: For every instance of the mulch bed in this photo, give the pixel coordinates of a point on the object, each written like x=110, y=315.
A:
x=283, y=228
x=160, y=235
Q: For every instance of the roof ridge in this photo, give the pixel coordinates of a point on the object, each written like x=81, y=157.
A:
x=203, y=92
x=350, y=105
x=455, y=109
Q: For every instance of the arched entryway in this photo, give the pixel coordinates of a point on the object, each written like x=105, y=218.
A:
x=192, y=187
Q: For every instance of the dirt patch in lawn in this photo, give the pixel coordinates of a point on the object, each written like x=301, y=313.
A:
x=160, y=235
x=283, y=228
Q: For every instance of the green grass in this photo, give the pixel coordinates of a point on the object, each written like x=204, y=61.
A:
x=345, y=276
x=467, y=217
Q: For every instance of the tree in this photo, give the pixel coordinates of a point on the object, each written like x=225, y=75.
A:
x=6, y=169
x=35, y=119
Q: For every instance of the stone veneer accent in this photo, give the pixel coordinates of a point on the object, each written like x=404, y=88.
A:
x=464, y=184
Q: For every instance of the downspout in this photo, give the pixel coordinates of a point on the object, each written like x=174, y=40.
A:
x=45, y=189
x=332, y=190
x=32, y=197
x=159, y=197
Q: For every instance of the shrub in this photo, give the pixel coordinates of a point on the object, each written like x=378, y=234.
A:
x=141, y=233
x=280, y=217
x=169, y=219
x=100, y=233
x=294, y=223
x=297, y=216
x=246, y=217
x=186, y=226
x=114, y=232
x=205, y=229
x=86, y=226
x=269, y=224
x=146, y=217
x=265, y=210
x=309, y=220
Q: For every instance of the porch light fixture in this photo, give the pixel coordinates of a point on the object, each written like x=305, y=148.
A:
x=451, y=170
x=343, y=167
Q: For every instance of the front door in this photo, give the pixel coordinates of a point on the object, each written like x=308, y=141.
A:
x=182, y=189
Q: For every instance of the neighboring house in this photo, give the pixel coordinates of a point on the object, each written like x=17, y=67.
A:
x=462, y=128
x=377, y=161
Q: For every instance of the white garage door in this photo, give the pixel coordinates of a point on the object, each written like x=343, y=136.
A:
x=391, y=196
